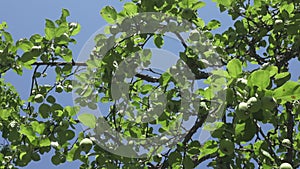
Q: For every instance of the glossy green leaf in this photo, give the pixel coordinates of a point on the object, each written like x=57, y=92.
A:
x=88, y=120
x=234, y=68
x=260, y=78
x=109, y=14
x=158, y=40
x=287, y=92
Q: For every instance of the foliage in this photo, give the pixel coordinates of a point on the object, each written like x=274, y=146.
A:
x=259, y=124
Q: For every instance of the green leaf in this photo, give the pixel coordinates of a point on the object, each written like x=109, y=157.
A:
x=130, y=8
x=3, y=25
x=213, y=24
x=5, y=113
x=234, y=68
x=288, y=7
x=8, y=37
x=63, y=28
x=66, y=54
x=289, y=91
x=45, y=142
x=88, y=120
x=38, y=127
x=198, y=5
x=24, y=44
x=188, y=163
x=72, y=111
x=164, y=79
x=64, y=14
x=226, y=3
x=158, y=40
x=27, y=131
x=76, y=27
x=109, y=14
x=272, y=69
x=260, y=78
x=44, y=110
x=49, y=29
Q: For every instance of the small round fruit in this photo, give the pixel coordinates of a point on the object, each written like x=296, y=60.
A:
x=86, y=144
x=286, y=142
x=59, y=89
x=194, y=35
x=164, y=139
x=253, y=104
x=69, y=88
x=39, y=98
x=268, y=102
x=278, y=21
x=241, y=111
x=187, y=13
x=285, y=166
x=243, y=106
x=227, y=146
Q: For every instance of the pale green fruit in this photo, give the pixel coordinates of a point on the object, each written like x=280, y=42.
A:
x=285, y=166
x=268, y=102
x=59, y=89
x=227, y=146
x=241, y=111
x=187, y=13
x=243, y=106
x=195, y=35
x=55, y=159
x=69, y=88
x=39, y=98
x=254, y=104
x=286, y=142
x=278, y=21
x=86, y=144
x=164, y=139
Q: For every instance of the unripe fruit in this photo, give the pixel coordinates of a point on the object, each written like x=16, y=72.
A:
x=243, y=106
x=86, y=144
x=59, y=88
x=39, y=98
x=268, y=102
x=278, y=21
x=227, y=146
x=285, y=166
x=187, y=13
x=286, y=142
x=241, y=111
x=195, y=35
x=253, y=104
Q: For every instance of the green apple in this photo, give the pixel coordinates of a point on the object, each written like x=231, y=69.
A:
x=194, y=35
x=285, y=166
x=39, y=98
x=242, y=111
x=59, y=88
x=227, y=146
x=55, y=159
x=187, y=13
x=86, y=144
x=286, y=142
x=69, y=88
x=254, y=104
x=268, y=102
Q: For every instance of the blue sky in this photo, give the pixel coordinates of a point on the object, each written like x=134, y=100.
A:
x=26, y=18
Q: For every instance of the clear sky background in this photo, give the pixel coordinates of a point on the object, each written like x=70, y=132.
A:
x=27, y=17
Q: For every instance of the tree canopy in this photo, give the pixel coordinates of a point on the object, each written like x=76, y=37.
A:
x=236, y=86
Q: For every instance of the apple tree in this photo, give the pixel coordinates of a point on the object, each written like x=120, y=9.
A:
x=249, y=103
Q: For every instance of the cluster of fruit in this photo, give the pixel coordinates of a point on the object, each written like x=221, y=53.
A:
x=253, y=105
